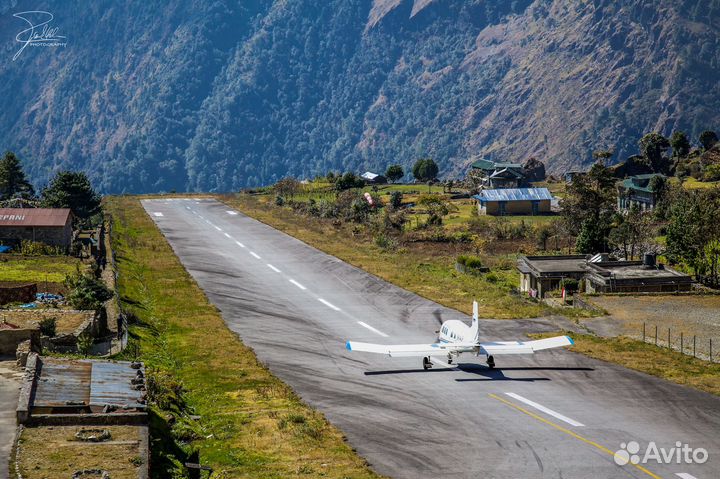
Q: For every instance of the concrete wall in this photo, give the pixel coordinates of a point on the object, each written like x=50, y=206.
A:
x=11, y=338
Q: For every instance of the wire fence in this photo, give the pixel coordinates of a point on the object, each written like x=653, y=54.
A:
x=701, y=347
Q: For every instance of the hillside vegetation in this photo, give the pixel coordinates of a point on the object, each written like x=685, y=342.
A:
x=222, y=95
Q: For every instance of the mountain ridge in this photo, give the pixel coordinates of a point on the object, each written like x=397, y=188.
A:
x=218, y=96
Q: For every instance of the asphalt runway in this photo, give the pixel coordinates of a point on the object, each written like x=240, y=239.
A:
x=552, y=415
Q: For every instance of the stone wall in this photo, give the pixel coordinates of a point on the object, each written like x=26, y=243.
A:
x=54, y=236
x=18, y=294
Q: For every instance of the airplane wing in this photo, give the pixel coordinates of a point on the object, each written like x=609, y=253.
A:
x=411, y=350
x=524, y=347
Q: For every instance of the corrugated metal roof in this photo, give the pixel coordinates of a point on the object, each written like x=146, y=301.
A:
x=34, y=216
x=64, y=383
x=515, y=194
x=111, y=383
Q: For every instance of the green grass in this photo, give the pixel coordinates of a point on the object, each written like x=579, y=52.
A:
x=244, y=429
x=650, y=359
x=425, y=269
x=33, y=269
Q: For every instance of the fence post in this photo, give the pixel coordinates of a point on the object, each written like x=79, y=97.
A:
x=682, y=348
x=643, y=331
x=669, y=339
x=656, y=335
x=710, y=349
x=694, y=346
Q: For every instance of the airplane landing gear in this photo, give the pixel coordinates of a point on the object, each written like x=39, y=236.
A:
x=427, y=364
x=449, y=359
x=491, y=362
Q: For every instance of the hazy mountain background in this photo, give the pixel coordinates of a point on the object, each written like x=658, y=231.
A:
x=203, y=95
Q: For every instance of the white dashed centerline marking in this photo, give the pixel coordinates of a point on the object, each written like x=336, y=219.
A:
x=376, y=331
x=239, y=244
x=233, y=213
x=273, y=268
x=255, y=254
x=684, y=475
x=298, y=284
x=542, y=408
x=157, y=213
x=216, y=227
x=201, y=216
x=329, y=304
x=228, y=236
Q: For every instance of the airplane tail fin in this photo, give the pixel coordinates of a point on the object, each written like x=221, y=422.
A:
x=475, y=327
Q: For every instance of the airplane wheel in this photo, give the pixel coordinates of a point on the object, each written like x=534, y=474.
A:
x=491, y=362
x=426, y=364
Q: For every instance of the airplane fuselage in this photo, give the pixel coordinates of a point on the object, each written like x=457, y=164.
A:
x=454, y=331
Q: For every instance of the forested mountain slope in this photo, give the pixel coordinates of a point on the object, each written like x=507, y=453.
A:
x=199, y=95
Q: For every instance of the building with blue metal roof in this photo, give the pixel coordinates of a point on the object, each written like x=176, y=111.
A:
x=514, y=201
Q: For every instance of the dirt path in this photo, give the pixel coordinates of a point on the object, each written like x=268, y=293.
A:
x=10, y=377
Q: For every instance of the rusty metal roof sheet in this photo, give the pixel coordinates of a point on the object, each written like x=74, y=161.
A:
x=62, y=383
x=66, y=383
x=34, y=216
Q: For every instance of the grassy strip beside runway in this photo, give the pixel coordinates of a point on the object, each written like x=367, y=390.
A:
x=250, y=423
x=649, y=359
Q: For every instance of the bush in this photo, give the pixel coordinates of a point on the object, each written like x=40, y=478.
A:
x=33, y=248
x=492, y=278
x=348, y=181
x=87, y=292
x=48, y=327
x=473, y=262
x=712, y=172
x=279, y=200
x=570, y=285
x=396, y=199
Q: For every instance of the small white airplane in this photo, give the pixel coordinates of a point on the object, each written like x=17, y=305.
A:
x=455, y=338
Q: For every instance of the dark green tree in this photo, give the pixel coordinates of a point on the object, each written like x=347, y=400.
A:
x=680, y=144
x=708, y=139
x=72, y=189
x=693, y=222
x=593, y=237
x=347, y=181
x=13, y=183
x=394, y=173
x=425, y=170
x=590, y=196
x=653, y=147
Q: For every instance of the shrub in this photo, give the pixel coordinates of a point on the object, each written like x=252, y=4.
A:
x=396, y=199
x=570, y=285
x=473, y=262
x=48, y=327
x=84, y=343
x=33, y=248
x=349, y=180
x=492, y=278
x=712, y=172
x=279, y=200
x=87, y=292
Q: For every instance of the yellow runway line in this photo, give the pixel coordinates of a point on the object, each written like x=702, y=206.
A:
x=570, y=433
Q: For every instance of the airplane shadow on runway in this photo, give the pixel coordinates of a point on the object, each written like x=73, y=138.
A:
x=480, y=370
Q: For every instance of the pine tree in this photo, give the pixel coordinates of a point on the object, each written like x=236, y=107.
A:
x=72, y=189
x=13, y=183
